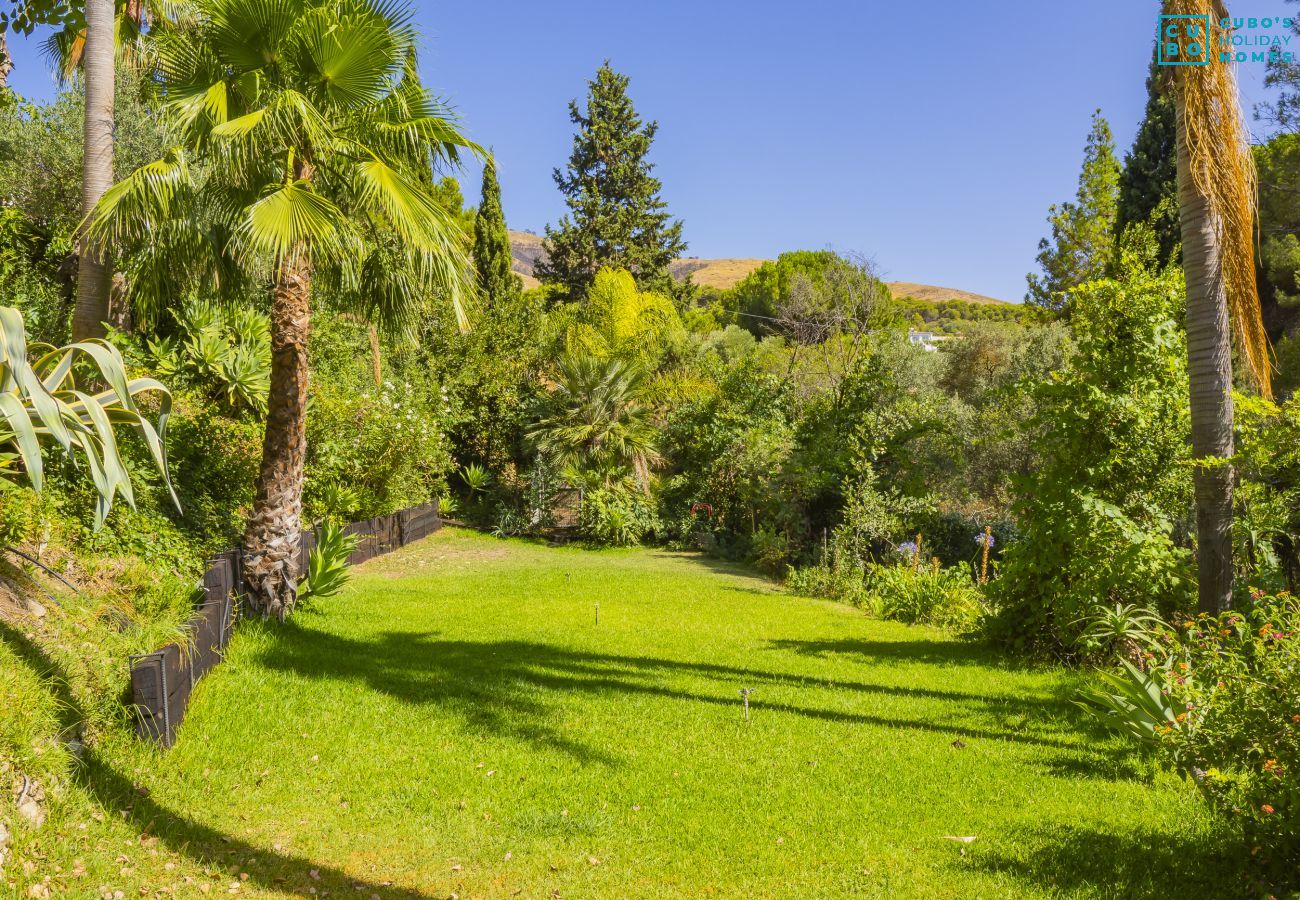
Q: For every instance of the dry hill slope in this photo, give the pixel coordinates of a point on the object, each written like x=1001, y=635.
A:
x=526, y=248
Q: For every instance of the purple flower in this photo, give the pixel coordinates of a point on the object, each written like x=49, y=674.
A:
x=981, y=538
x=907, y=549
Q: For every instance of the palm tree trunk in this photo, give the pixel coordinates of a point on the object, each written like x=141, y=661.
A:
x=376, y=364
x=272, y=536
x=94, y=276
x=6, y=61
x=1209, y=370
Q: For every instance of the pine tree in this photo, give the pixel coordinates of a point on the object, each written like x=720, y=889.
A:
x=492, y=243
x=1083, y=232
x=1148, y=186
x=617, y=217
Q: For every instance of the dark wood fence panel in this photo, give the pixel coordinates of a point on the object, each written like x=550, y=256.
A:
x=161, y=681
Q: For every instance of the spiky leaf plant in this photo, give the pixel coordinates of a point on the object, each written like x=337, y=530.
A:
x=42, y=400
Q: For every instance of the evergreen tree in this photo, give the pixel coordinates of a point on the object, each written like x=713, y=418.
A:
x=1148, y=186
x=491, y=242
x=1083, y=232
x=617, y=217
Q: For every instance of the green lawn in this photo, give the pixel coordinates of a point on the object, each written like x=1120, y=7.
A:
x=458, y=723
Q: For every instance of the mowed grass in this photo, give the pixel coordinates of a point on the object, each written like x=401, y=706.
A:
x=458, y=723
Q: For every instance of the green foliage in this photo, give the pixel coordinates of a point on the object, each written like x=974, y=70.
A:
x=1098, y=513
x=616, y=218
x=1148, y=185
x=620, y=515
x=616, y=319
x=223, y=351
x=808, y=296
x=725, y=449
x=1278, y=162
x=1124, y=631
x=907, y=591
x=40, y=401
x=327, y=563
x=1083, y=231
x=926, y=595
x=953, y=317
x=476, y=477
x=594, y=425
x=372, y=450
x=216, y=458
x=300, y=127
x=1267, y=498
x=496, y=282
x=1235, y=677
x=384, y=444
x=1132, y=702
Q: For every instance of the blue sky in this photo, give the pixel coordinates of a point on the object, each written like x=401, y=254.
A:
x=929, y=137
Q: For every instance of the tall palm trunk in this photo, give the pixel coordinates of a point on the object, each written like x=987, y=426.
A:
x=6, y=61
x=94, y=277
x=272, y=536
x=1209, y=370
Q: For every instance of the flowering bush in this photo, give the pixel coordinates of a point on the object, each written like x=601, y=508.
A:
x=1237, y=678
x=384, y=445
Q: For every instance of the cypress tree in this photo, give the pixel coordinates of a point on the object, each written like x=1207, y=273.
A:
x=1083, y=232
x=1148, y=186
x=491, y=242
x=616, y=218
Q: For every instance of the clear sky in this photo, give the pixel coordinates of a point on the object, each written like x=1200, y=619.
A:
x=929, y=136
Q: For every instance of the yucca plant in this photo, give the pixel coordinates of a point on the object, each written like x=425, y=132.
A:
x=41, y=400
x=306, y=162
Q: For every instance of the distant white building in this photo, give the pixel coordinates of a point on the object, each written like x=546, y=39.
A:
x=926, y=340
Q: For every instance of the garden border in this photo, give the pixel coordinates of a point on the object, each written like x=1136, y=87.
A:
x=161, y=682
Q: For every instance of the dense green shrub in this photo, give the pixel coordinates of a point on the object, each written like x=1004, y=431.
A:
x=926, y=595
x=618, y=516
x=844, y=584
x=1103, y=514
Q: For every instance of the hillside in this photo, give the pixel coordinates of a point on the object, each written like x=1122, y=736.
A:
x=932, y=294
x=526, y=248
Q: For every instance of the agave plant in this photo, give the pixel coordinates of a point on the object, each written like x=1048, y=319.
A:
x=1131, y=702
x=41, y=400
x=327, y=564
x=227, y=351
x=1127, y=629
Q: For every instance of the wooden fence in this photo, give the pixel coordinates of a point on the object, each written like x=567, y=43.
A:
x=161, y=681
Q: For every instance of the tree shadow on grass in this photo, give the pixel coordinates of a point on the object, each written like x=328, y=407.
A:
x=924, y=651
x=1148, y=864
x=502, y=686
x=118, y=796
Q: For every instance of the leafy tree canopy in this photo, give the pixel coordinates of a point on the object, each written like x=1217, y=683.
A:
x=616, y=217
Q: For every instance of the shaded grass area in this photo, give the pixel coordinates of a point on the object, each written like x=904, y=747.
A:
x=459, y=722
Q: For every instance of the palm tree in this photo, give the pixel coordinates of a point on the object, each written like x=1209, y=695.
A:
x=593, y=422
x=94, y=274
x=306, y=164
x=1217, y=198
